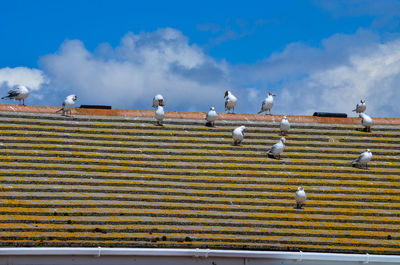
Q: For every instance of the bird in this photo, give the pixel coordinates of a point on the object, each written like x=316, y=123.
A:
x=158, y=100
x=18, y=93
x=211, y=117
x=160, y=115
x=366, y=121
x=363, y=159
x=230, y=101
x=68, y=104
x=360, y=107
x=277, y=149
x=284, y=126
x=300, y=197
x=267, y=103
x=238, y=135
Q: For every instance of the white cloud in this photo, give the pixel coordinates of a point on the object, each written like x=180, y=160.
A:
x=143, y=65
x=32, y=78
x=331, y=77
x=374, y=76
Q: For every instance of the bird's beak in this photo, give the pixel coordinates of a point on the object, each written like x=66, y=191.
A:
x=273, y=95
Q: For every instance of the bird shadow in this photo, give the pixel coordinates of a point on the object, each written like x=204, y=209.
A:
x=209, y=124
x=273, y=157
x=363, y=130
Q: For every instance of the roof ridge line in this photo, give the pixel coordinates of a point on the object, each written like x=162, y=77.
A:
x=248, y=117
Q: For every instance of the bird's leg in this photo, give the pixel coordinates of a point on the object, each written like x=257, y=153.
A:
x=297, y=206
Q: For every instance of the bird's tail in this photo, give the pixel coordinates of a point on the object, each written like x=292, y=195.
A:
x=59, y=110
x=259, y=111
x=354, y=110
x=6, y=97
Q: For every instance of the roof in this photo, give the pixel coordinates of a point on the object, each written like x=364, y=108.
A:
x=111, y=178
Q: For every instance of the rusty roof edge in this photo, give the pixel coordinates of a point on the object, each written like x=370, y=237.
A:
x=205, y=253
x=196, y=115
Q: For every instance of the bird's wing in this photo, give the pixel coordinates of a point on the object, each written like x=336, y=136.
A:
x=274, y=148
x=13, y=92
x=263, y=103
x=361, y=157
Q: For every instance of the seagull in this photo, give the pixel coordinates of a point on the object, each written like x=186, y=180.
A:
x=277, y=149
x=19, y=93
x=158, y=100
x=300, y=197
x=160, y=115
x=363, y=159
x=360, y=107
x=284, y=126
x=366, y=121
x=267, y=103
x=230, y=101
x=67, y=105
x=238, y=135
x=211, y=117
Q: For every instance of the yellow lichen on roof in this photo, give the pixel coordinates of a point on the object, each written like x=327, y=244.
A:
x=124, y=182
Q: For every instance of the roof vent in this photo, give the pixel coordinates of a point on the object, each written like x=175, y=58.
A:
x=329, y=114
x=95, y=107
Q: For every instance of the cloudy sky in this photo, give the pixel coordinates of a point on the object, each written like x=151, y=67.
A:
x=314, y=55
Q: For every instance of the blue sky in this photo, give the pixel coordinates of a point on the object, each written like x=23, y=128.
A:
x=315, y=55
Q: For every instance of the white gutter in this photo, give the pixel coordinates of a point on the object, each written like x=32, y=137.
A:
x=205, y=253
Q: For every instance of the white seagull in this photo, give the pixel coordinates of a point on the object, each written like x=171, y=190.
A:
x=158, y=100
x=367, y=122
x=284, y=126
x=230, y=101
x=238, y=135
x=19, y=93
x=267, y=103
x=67, y=105
x=160, y=115
x=360, y=107
x=211, y=117
x=300, y=197
x=363, y=159
x=277, y=149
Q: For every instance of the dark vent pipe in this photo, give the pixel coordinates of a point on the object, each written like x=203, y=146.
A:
x=95, y=107
x=329, y=114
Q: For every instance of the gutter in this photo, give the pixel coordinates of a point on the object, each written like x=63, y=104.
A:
x=203, y=253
